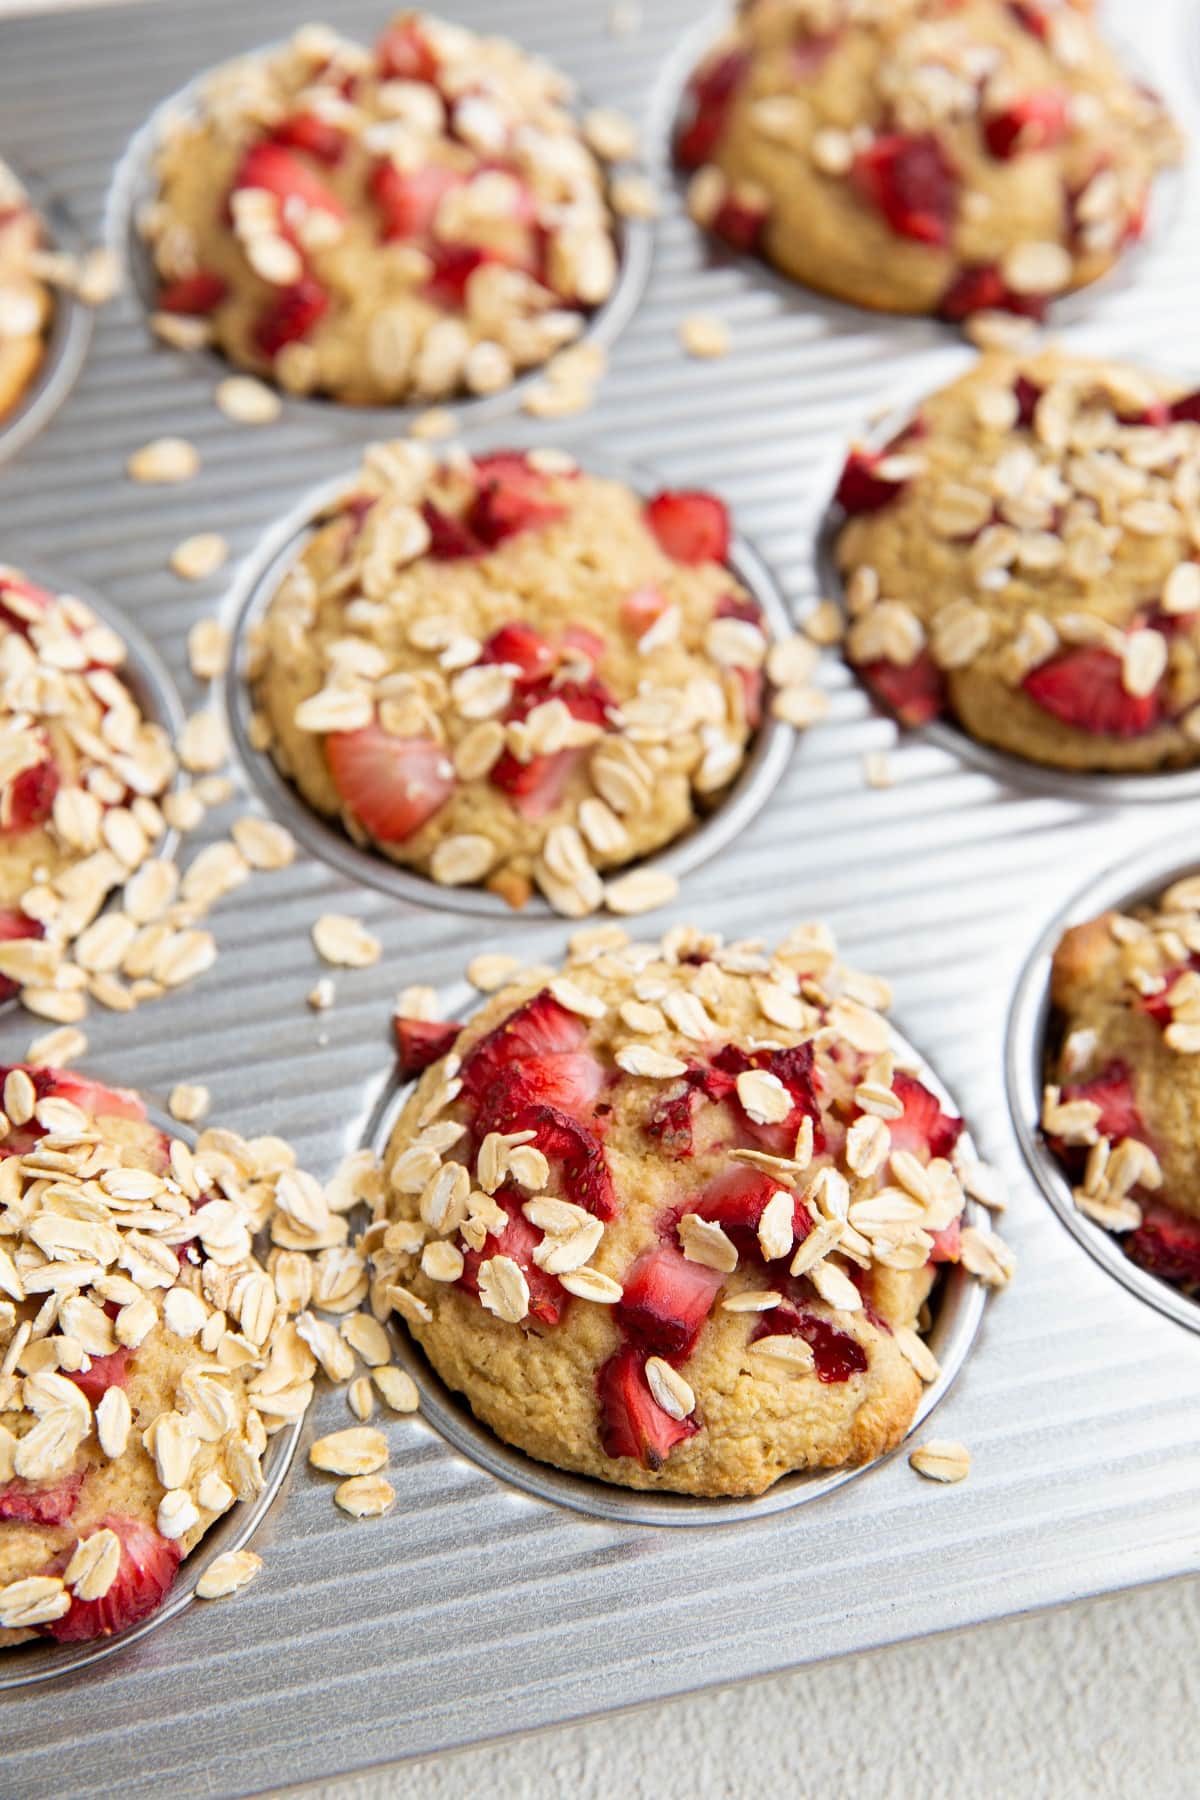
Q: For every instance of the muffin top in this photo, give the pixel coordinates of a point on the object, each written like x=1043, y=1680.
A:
x=407, y=222
x=506, y=670
x=669, y=1216
x=26, y=303
x=942, y=156
x=1122, y=1103
x=1023, y=557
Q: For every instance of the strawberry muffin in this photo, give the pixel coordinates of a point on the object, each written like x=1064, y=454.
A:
x=1022, y=559
x=924, y=156
x=81, y=774
x=1121, y=1108
x=672, y=1216
x=145, y=1356
x=403, y=223
x=26, y=303
x=505, y=671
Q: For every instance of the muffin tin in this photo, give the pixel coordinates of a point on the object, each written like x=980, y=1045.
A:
x=69, y=332
x=479, y=1606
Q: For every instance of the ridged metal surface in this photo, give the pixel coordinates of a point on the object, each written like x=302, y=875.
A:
x=475, y=1610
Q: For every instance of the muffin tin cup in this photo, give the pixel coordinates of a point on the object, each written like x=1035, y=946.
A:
x=67, y=338
x=134, y=185
x=1099, y=789
x=1166, y=207
x=41, y=1659
x=958, y=1302
x=1122, y=885
x=766, y=759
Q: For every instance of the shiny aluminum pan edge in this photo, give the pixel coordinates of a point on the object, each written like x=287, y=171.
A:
x=68, y=336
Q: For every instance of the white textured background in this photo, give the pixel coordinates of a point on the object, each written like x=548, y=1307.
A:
x=1098, y=1702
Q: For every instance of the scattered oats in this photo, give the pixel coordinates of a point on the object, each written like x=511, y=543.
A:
x=986, y=1255
x=345, y=942
x=321, y=997
x=114, y=1419
x=825, y=625
x=166, y=459
x=263, y=843
x=204, y=743
x=195, y=559
x=941, y=1459
x=247, y=401
x=94, y=1564
x=360, y=1397
x=358, y=1450
x=800, y=707
x=576, y=999
x=442, y=1261
x=610, y=134
x=490, y=972
x=463, y=859
x=590, y=1284
x=1000, y=331
x=1037, y=268
x=35, y=1600
x=624, y=18
x=754, y=1300
x=99, y=276
x=365, y=1496
x=703, y=336
x=397, y=1389
x=704, y=1241
x=916, y=1351
x=985, y=1184
x=1181, y=593
x=787, y=1352
x=55, y=1049
x=228, y=1574
x=436, y=422
x=877, y=769
x=188, y=1103
x=835, y=1287
x=669, y=1388
x=634, y=196
x=177, y=1513
x=367, y=1337
x=763, y=1096
x=791, y=661
x=503, y=1289
x=655, y=1065
x=642, y=891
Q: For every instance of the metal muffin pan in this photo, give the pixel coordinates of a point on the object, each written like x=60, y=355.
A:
x=477, y=1608
x=69, y=331
x=767, y=757
x=41, y=1659
x=1124, y=886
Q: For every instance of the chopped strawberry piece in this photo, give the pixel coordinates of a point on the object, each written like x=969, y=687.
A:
x=291, y=315
x=1112, y=1092
x=794, y=1068
x=632, y=1423
x=403, y=53
x=1027, y=396
x=738, y=606
x=547, y=1046
x=1167, y=1244
x=666, y=1301
x=836, y=1355
x=307, y=131
x=1032, y=17
x=1083, y=687
x=392, y=785
x=41, y=1503
x=575, y=1151
x=641, y=609
x=710, y=94
x=922, y=1125
x=420, y=1042
x=292, y=182
x=1034, y=122
x=144, y=1576
x=1158, y=1006
x=691, y=526
x=519, y=1239
x=193, y=294
x=28, y=594
x=861, y=488
x=586, y=642
x=910, y=181
x=409, y=199
x=33, y=794
x=981, y=288
x=522, y=648
x=536, y=787
x=449, y=539
x=453, y=267
x=1187, y=409
x=511, y=497
x=915, y=691
x=739, y=221
x=947, y=1243
x=752, y=684
x=736, y=1201
x=92, y=1097
x=671, y=1120
x=105, y=1372
x=14, y=924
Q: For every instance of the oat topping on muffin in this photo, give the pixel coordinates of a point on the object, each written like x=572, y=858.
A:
x=403, y=223
x=924, y=156
x=1023, y=558
x=508, y=671
x=671, y=1216
x=1121, y=1107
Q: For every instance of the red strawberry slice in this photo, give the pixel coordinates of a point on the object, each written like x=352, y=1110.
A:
x=523, y=649
x=105, y=1372
x=292, y=182
x=510, y=497
x=980, y=287
x=861, y=488
x=392, y=785
x=575, y=1152
x=1187, y=409
x=671, y=1120
x=836, y=1355
x=947, y=1243
x=912, y=183
x=915, y=691
x=409, y=199
x=14, y=924
x=1027, y=396
x=740, y=220
x=641, y=609
x=1035, y=19
x=537, y=786
x=453, y=267
x=41, y=1503
x=1112, y=1092
x=922, y=1126
x=736, y=1201
x=449, y=539
x=1158, y=1006
x=1033, y=122
x=32, y=796
x=738, y=606
x=519, y=1239
x=547, y=1046
x=91, y=1097
x=710, y=94
x=144, y=1576
x=194, y=294
x=1167, y=1243
x=1082, y=687
x=666, y=1301
x=420, y=1042
x=403, y=54
x=314, y=135
x=632, y=1423
x=691, y=526
x=291, y=315
x=795, y=1069
x=585, y=642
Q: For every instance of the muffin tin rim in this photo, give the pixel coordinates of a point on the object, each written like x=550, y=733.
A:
x=770, y=750
x=1125, y=883
x=961, y=1301
x=70, y=332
